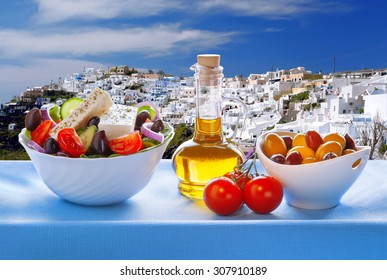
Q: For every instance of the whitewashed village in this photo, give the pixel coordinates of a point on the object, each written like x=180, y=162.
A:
x=284, y=100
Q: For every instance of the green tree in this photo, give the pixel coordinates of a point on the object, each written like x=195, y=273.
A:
x=300, y=96
x=132, y=71
x=183, y=132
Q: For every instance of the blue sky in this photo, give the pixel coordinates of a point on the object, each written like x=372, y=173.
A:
x=42, y=40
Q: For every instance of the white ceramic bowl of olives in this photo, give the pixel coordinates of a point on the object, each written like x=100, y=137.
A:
x=97, y=181
x=317, y=185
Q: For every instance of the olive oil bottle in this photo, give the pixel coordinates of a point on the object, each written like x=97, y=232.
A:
x=208, y=154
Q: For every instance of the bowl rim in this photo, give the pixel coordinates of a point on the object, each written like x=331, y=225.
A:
x=22, y=140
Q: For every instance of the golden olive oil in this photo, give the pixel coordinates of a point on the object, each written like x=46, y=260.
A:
x=204, y=157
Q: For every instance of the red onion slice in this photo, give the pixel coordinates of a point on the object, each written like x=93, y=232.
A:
x=35, y=146
x=153, y=106
x=145, y=129
x=45, y=110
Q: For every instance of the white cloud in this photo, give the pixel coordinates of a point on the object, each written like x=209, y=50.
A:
x=149, y=41
x=60, y=10
x=273, y=29
x=50, y=11
x=272, y=8
x=14, y=79
x=41, y=48
x=41, y=57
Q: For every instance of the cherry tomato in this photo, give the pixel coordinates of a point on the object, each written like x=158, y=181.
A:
x=223, y=196
x=127, y=144
x=263, y=194
x=70, y=143
x=41, y=133
x=239, y=177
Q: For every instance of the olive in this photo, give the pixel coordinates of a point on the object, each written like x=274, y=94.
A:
x=288, y=141
x=278, y=158
x=313, y=139
x=94, y=121
x=157, y=126
x=293, y=158
x=330, y=155
x=33, y=119
x=100, y=144
x=349, y=143
x=51, y=146
x=141, y=118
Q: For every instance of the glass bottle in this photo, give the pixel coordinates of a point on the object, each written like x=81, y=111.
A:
x=208, y=154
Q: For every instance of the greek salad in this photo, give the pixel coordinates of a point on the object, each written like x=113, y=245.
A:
x=95, y=127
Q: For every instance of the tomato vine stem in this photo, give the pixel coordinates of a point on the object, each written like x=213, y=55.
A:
x=246, y=168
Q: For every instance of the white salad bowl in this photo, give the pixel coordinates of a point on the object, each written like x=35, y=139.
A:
x=96, y=181
x=319, y=185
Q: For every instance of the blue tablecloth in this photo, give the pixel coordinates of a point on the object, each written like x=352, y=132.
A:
x=159, y=223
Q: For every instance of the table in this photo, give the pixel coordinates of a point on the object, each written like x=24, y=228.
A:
x=159, y=223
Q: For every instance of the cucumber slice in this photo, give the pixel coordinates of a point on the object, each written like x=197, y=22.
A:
x=69, y=105
x=148, y=108
x=87, y=136
x=55, y=114
x=28, y=134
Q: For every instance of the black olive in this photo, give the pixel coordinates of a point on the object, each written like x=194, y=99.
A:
x=141, y=118
x=33, y=119
x=51, y=146
x=99, y=144
x=94, y=121
x=157, y=126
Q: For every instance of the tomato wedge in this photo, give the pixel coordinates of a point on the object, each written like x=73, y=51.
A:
x=126, y=144
x=41, y=133
x=70, y=143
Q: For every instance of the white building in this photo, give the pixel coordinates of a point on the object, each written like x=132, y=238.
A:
x=188, y=92
x=339, y=105
x=376, y=100
x=278, y=88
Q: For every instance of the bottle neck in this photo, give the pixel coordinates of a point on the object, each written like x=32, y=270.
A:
x=208, y=87
x=208, y=130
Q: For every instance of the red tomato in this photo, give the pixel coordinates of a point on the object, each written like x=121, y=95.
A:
x=70, y=143
x=239, y=177
x=223, y=196
x=41, y=133
x=263, y=194
x=127, y=144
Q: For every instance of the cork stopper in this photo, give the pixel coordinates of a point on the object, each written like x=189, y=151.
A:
x=209, y=60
